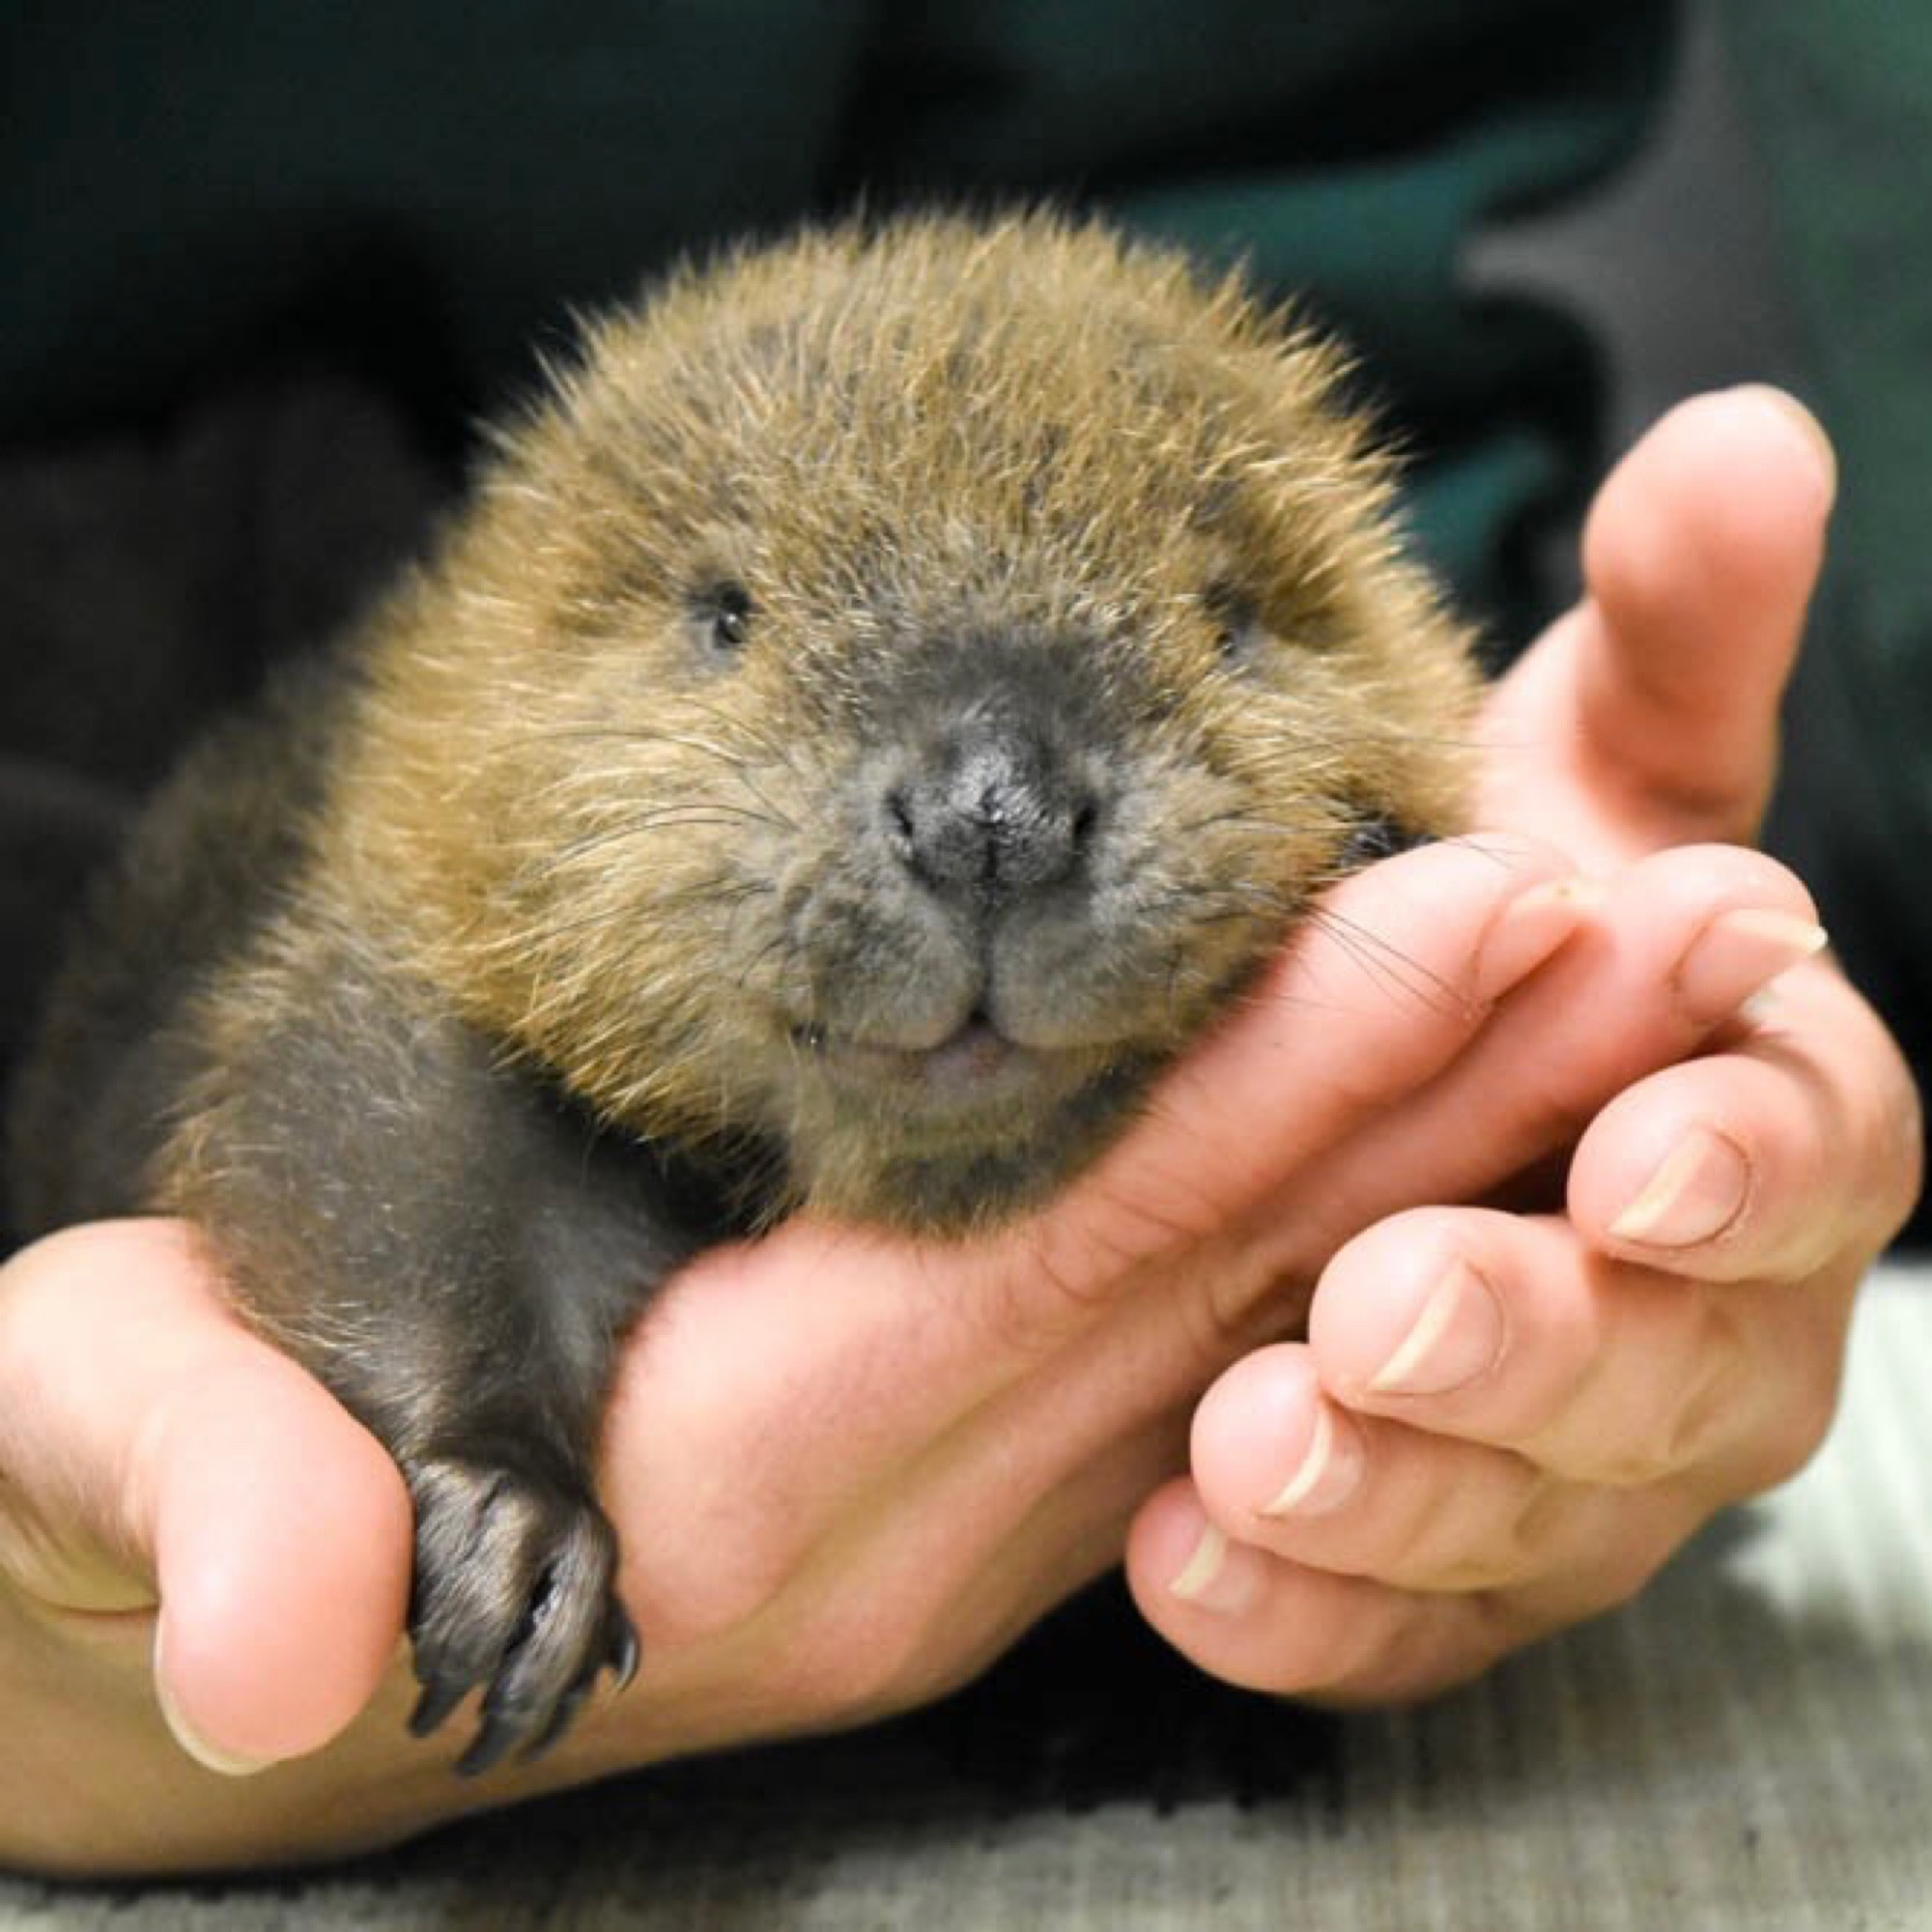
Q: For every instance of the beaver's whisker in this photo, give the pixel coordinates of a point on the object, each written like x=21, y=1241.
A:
x=525, y=941
x=1386, y=962
x=669, y=818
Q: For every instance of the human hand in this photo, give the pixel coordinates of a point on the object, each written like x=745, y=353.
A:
x=846, y=1470
x=150, y=1448
x=1503, y=1423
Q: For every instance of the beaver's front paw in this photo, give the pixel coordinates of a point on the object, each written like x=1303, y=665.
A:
x=513, y=1591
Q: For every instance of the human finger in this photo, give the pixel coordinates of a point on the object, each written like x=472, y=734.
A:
x=1252, y=1616
x=1279, y=1464
x=1798, y=1145
x=1383, y=987
x=1260, y=1620
x=1509, y=1331
x=1671, y=946
x=156, y=1453
x=1648, y=715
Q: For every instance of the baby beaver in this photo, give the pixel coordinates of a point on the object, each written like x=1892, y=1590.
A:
x=874, y=715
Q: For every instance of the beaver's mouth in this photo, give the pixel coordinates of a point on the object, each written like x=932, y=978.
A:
x=975, y=1068
x=955, y=1135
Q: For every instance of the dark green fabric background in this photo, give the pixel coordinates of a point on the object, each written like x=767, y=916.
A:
x=1840, y=100
x=426, y=189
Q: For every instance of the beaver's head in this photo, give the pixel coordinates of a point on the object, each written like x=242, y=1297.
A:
x=896, y=692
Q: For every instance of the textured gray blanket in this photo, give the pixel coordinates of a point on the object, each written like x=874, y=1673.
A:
x=1748, y=1746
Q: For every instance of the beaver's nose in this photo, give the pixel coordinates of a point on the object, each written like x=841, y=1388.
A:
x=991, y=812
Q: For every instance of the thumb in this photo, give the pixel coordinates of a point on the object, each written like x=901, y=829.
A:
x=1655, y=699
x=155, y=1453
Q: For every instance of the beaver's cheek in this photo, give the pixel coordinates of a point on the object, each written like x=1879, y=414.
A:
x=1167, y=911
x=1063, y=976
x=872, y=959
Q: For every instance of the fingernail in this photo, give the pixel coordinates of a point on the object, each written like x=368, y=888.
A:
x=1218, y=1576
x=1796, y=414
x=1697, y=1191
x=1531, y=929
x=1197, y=1574
x=204, y=1753
x=1738, y=951
x=1328, y=1474
x=1456, y=1337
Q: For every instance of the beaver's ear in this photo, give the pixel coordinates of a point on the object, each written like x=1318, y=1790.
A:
x=1259, y=593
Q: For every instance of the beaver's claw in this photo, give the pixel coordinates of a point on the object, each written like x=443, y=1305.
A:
x=512, y=1593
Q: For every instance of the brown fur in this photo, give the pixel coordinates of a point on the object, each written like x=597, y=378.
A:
x=876, y=711
x=938, y=431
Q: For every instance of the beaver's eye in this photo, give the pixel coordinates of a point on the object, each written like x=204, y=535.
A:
x=724, y=616
x=1238, y=621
